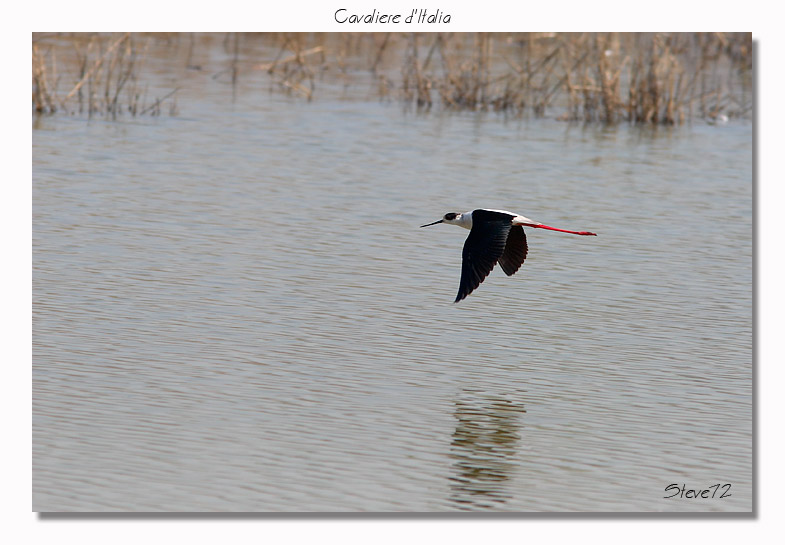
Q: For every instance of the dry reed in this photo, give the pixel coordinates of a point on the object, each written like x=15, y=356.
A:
x=639, y=78
x=106, y=79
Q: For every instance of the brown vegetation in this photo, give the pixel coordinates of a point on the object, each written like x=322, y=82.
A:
x=641, y=78
x=106, y=78
x=608, y=78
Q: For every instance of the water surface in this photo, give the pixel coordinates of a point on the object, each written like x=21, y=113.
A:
x=234, y=310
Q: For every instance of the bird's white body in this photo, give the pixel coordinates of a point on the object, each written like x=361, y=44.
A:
x=465, y=220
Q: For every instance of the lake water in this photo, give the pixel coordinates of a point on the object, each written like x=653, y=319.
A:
x=234, y=309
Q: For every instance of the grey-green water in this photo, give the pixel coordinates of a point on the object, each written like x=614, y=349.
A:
x=235, y=309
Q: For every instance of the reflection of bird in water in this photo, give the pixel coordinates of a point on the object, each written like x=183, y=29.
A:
x=485, y=449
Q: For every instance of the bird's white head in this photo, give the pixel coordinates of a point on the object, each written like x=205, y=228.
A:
x=454, y=218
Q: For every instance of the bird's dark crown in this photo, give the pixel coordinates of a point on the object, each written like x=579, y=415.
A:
x=451, y=216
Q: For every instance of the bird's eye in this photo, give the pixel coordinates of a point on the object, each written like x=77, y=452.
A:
x=450, y=216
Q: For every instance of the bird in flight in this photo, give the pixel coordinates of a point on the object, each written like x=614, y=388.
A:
x=495, y=236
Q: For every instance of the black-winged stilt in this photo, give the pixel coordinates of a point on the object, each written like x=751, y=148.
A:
x=496, y=235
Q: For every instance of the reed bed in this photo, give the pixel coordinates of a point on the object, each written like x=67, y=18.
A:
x=606, y=78
x=637, y=78
x=104, y=78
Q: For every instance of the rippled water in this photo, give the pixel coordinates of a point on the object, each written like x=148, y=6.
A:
x=235, y=309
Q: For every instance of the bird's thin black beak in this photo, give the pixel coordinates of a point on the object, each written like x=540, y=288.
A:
x=434, y=223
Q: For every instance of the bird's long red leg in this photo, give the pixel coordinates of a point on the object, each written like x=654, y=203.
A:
x=541, y=226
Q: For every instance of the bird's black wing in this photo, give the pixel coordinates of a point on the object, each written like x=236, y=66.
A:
x=515, y=251
x=482, y=249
